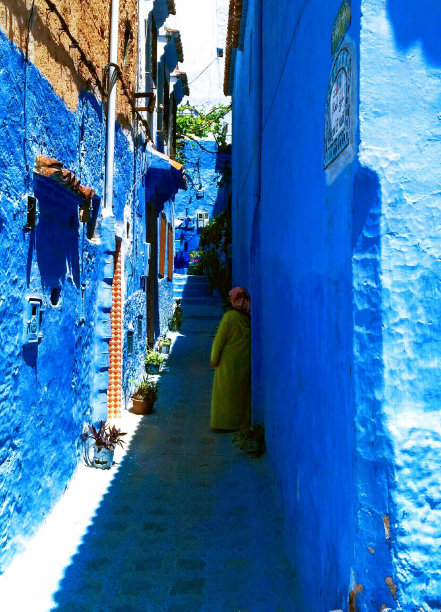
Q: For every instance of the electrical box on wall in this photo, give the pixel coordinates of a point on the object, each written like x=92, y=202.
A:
x=33, y=320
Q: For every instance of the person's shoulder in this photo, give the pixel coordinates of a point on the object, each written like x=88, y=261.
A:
x=236, y=316
x=231, y=314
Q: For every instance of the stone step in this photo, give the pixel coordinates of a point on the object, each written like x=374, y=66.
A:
x=191, y=290
x=203, y=283
x=206, y=299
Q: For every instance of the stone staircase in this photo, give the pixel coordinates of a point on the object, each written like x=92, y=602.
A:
x=202, y=311
x=192, y=289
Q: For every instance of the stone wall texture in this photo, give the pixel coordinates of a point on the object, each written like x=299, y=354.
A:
x=400, y=133
x=36, y=32
x=50, y=388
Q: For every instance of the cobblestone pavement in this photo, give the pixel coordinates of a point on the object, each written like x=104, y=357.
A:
x=187, y=524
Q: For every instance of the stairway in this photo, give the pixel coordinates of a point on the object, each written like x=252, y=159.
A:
x=192, y=289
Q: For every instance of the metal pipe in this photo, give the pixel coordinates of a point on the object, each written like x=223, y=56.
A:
x=111, y=108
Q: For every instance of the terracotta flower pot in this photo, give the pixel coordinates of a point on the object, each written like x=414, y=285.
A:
x=142, y=406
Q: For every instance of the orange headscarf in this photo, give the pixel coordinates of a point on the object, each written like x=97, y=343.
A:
x=240, y=300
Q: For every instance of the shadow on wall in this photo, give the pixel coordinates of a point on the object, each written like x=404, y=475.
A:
x=55, y=239
x=417, y=21
x=256, y=319
x=374, y=454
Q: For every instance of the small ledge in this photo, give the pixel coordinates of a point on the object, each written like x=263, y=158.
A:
x=53, y=169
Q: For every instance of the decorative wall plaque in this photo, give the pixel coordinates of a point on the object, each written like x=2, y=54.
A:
x=338, y=107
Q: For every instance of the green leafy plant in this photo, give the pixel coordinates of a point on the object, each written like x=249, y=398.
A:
x=193, y=123
x=213, y=253
x=146, y=389
x=105, y=436
x=176, y=319
x=153, y=358
x=251, y=440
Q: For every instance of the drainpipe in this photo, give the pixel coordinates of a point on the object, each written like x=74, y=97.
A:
x=111, y=109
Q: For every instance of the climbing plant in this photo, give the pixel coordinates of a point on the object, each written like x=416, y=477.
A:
x=197, y=123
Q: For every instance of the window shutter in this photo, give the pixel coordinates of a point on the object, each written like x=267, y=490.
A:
x=170, y=253
x=162, y=241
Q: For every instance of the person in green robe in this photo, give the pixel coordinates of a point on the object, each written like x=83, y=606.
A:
x=231, y=358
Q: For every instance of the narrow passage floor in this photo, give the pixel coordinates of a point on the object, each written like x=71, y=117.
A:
x=187, y=524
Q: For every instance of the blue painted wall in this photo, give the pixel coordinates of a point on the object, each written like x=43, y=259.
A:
x=400, y=70
x=344, y=272
x=293, y=249
x=49, y=389
x=207, y=168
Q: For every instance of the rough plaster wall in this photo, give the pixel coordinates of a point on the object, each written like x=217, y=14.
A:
x=306, y=302
x=89, y=23
x=46, y=388
x=135, y=303
x=165, y=302
x=401, y=145
x=246, y=206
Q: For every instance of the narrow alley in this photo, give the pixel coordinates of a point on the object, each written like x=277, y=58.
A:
x=188, y=522
x=166, y=162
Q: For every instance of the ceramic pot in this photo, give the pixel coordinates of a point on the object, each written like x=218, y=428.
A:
x=152, y=368
x=142, y=406
x=102, y=459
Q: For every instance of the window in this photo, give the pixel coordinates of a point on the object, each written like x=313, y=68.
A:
x=128, y=37
x=202, y=220
x=130, y=342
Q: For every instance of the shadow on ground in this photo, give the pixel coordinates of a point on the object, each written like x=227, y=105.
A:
x=188, y=524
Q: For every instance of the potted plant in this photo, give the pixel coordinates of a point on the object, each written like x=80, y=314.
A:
x=145, y=396
x=251, y=440
x=153, y=361
x=175, y=322
x=164, y=345
x=105, y=438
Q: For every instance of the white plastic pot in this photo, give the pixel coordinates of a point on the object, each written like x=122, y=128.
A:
x=102, y=459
